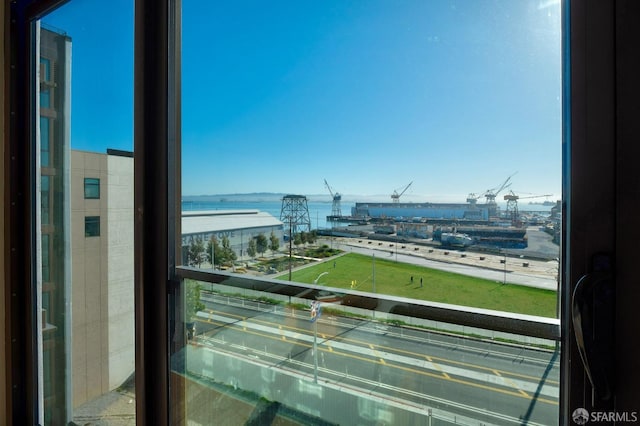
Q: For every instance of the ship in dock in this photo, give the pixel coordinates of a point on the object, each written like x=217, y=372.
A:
x=452, y=224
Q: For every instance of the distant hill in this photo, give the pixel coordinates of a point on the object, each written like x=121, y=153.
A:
x=257, y=197
x=253, y=197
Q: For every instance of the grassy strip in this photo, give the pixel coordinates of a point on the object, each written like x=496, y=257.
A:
x=355, y=271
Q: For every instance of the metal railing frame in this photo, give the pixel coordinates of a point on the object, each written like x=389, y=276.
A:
x=525, y=325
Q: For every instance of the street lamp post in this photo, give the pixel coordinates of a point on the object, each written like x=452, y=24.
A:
x=315, y=352
x=213, y=254
x=373, y=274
x=290, y=242
x=397, y=238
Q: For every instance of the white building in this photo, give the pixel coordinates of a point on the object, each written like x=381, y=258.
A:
x=239, y=226
x=102, y=271
x=103, y=329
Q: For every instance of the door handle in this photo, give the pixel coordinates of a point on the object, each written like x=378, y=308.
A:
x=593, y=317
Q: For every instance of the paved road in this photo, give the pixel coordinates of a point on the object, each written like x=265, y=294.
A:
x=456, y=377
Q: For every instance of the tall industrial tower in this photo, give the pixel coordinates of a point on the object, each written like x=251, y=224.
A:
x=295, y=214
x=512, y=207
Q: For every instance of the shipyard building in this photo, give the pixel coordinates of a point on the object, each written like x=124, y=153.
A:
x=448, y=211
x=462, y=223
x=239, y=226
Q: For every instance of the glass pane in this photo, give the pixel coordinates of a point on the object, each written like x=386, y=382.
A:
x=45, y=134
x=92, y=226
x=45, y=82
x=91, y=188
x=45, y=201
x=378, y=150
x=312, y=113
x=85, y=95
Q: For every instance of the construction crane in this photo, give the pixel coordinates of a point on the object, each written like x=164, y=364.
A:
x=491, y=194
x=336, y=211
x=395, y=197
x=512, y=205
x=472, y=198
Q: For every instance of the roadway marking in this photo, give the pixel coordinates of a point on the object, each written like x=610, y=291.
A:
x=466, y=374
x=410, y=353
x=515, y=385
x=437, y=367
x=435, y=376
x=387, y=399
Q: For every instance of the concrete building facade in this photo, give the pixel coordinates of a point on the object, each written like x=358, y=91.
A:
x=52, y=240
x=102, y=272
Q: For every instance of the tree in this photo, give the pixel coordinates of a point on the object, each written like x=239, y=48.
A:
x=196, y=253
x=252, y=250
x=297, y=239
x=304, y=237
x=223, y=254
x=261, y=244
x=312, y=237
x=213, y=250
x=192, y=298
x=193, y=305
x=274, y=242
x=229, y=256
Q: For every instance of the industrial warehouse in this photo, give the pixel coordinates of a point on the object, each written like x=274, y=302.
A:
x=239, y=226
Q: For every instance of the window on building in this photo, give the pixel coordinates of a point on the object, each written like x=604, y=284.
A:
x=45, y=141
x=46, y=265
x=91, y=188
x=45, y=83
x=92, y=226
x=45, y=199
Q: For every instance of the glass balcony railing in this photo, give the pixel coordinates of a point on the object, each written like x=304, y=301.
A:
x=263, y=349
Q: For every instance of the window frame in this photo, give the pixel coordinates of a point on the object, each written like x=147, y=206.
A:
x=591, y=133
x=46, y=202
x=49, y=126
x=91, y=183
x=91, y=226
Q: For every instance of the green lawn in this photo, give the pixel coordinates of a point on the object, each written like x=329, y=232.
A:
x=356, y=271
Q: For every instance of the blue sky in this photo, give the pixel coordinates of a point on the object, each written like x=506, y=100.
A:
x=454, y=96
